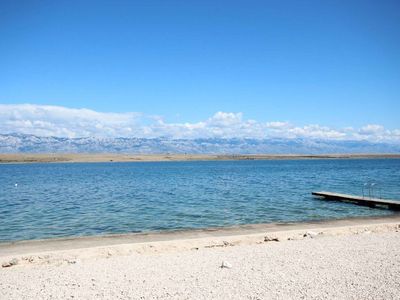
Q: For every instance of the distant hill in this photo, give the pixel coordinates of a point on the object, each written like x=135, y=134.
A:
x=23, y=143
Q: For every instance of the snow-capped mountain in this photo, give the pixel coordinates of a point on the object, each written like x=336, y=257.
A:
x=22, y=143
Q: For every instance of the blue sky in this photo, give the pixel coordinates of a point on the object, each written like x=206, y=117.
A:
x=332, y=63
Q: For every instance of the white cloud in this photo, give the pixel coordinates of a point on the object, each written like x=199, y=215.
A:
x=49, y=120
x=46, y=120
x=278, y=125
x=372, y=129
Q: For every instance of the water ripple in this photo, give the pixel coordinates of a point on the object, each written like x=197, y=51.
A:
x=55, y=200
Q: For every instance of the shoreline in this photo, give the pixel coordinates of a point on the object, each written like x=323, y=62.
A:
x=239, y=232
x=109, y=157
x=341, y=259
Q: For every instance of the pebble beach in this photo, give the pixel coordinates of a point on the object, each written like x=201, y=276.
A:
x=360, y=260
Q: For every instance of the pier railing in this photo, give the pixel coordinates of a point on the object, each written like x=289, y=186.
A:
x=371, y=190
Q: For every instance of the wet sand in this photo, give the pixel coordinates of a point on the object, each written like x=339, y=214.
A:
x=343, y=259
x=108, y=157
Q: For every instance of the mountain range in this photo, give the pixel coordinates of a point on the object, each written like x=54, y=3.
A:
x=25, y=143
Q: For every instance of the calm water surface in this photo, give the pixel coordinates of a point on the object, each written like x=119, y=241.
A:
x=55, y=200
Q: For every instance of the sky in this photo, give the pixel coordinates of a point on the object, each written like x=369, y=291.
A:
x=328, y=69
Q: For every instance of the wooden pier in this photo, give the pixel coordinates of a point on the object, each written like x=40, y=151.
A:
x=360, y=200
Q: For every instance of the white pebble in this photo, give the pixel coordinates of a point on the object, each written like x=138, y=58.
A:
x=225, y=264
x=311, y=234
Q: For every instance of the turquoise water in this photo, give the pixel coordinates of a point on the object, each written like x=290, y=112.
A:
x=57, y=200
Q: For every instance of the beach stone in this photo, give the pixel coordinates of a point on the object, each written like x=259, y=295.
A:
x=226, y=265
x=271, y=239
x=227, y=243
x=311, y=234
x=10, y=263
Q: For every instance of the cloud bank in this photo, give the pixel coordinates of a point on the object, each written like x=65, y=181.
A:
x=46, y=120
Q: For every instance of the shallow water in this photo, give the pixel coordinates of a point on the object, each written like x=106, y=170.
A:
x=56, y=200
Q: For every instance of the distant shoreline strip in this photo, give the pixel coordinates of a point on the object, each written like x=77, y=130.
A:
x=107, y=157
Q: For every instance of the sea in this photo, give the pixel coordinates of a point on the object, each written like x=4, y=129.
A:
x=53, y=200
